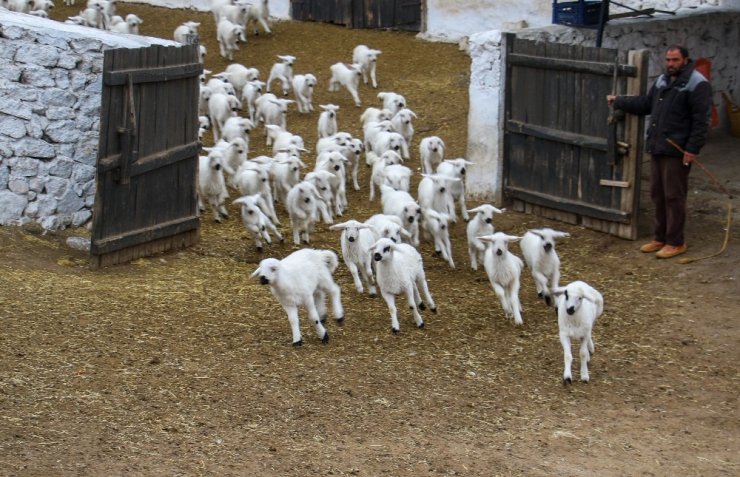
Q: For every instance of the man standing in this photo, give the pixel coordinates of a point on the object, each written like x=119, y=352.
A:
x=679, y=105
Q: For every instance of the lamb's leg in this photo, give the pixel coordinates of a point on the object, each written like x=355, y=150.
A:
x=540, y=281
x=319, y=299
x=390, y=300
x=367, y=275
x=585, y=357
x=567, y=358
x=421, y=283
x=295, y=328
x=264, y=25
x=463, y=206
x=473, y=254
x=516, y=306
x=355, y=276
x=411, y=293
x=336, y=303
x=296, y=232
x=555, y=281
x=355, y=184
x=372, y=76
x=355, y=96
x=315, y=318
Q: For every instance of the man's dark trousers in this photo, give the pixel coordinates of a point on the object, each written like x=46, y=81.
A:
x=669, y=184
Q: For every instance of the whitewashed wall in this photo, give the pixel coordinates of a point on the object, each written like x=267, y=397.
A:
x=710, y=33
x=452, y=20
x=50, y=90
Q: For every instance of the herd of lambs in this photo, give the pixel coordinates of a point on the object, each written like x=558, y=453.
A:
x=381, y=252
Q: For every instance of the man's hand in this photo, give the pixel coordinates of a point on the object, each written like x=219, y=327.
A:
x=610, y=99
x=688, y=158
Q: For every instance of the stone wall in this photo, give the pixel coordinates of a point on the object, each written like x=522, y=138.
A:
x=50, y=91
x=709, y=33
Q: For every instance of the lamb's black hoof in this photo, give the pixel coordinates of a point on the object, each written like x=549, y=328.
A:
x=539, y=295
x=325, y=339
x=298, y=343
x=422, y=306
x=340, y=321
x=421, y=325
x=548, y=300
x=434, y=310
x=373, y=295
x=395, y=331
x=584, y=381
x=567, y=381
x=259, y=249
x=438, y=252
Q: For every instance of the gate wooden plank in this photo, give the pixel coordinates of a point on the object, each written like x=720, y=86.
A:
x=557, y=135
x=569, y=205
x=143, y=235
x=152, y=75
x=578, y=66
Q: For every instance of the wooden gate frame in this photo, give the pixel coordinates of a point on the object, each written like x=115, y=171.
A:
x=620, y=224
x=120, y=165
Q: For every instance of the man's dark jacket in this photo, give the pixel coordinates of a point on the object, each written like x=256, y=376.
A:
x=679, y=110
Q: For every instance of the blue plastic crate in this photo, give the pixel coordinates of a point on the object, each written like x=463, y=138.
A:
x=580, y=13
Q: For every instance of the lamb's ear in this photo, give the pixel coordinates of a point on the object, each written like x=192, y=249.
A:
x=558, y=234
x=512, y=238
x=256, y=272
x=469, y=163
x=486, y=238
x=240, y=200
x=499, y=211
x=413, y=114
x=341, y=226
x=558, y=291
x=405, y=233
x=477, y=209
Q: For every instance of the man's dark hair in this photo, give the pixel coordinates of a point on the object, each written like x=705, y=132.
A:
x=682, y=49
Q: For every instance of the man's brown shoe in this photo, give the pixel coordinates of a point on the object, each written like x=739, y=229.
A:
x=651, y=247
x=671, y=251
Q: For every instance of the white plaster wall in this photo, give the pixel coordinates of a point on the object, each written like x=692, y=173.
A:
x=451, y=21
x=278, y=8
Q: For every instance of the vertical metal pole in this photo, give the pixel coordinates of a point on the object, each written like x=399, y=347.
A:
x=603, y=18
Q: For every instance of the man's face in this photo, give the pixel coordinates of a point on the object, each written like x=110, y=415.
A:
x=674, y=62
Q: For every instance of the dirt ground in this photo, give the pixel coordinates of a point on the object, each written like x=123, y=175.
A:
x=181, y=365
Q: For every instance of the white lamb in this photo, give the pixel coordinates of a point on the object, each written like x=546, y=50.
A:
x=328, y=120
x=434, y=193
x=251, y=91
x=398, y=177
x=239, y=75
x=259, y=13
x=504, y=270
x=455, y=169
x=347, y=76
x=282, y=71
x=387, y=226
x=303, y=278
x=357, y=239
x=237, y=127
x=272, y=110
x=130, y=25
x=229, y=35
x=392, y=102
x=481, y=224
x=375, y=115
x=323, y=181
x=400, y=269
x=188, y=28
x=437, y=227
x=538, y=250
x=403, y=206
x=371, y=131
x=303, y=86
x=285, y=173
x=204, y=124
x=579, y=305
x=402, y=124
x=380, y=163
x=237, y=13
x=256, y=221
x=22, y=6
x=282, y=140
x=254, y=178
x=388, y=141
x=367, y=58
x=233, y=153
x=212, y=185
x=333, y=161
x=220, y=108
x=432, y=152
x=303, y=210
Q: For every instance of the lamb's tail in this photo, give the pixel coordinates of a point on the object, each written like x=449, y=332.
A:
x=331, y=260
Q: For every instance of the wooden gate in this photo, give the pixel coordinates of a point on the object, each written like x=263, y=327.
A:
x=559, y=159
x=394, y=14
x=145, y=199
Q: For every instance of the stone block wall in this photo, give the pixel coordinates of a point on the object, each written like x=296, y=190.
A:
x=50, y=93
